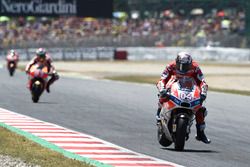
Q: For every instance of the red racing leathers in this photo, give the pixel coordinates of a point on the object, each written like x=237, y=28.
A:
x=195, y=72
x=48, y=63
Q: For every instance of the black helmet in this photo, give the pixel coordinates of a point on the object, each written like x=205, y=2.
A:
x=183, y=62
x=41, y=53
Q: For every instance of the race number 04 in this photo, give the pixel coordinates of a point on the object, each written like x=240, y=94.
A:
x=185, y=96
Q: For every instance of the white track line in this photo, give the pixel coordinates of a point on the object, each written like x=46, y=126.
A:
x=82, y=144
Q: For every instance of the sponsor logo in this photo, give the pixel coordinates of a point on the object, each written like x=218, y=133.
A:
x=39, y=7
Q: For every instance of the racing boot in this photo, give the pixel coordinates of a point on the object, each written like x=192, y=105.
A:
x=201, y=134
x=49, y=83
x=47, y=87
x=54, y=77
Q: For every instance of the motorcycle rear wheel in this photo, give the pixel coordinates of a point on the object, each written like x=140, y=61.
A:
x=180, y=136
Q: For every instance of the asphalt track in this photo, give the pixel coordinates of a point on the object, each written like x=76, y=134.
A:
x=123, y=113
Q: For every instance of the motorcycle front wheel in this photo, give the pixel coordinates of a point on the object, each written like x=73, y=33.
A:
x=36, y=91
x=11, y=70
x=180, y=135
x=35, y=99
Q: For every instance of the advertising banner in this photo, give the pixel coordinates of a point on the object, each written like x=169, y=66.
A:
x=82, y=8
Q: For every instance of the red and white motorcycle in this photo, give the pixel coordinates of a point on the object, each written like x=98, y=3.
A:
x=38, y=76
x=178, y=112
x=11, y=64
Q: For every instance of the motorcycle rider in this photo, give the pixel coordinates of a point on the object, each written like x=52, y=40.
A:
x=43, y=57
x=184, y=66
x=12, y=56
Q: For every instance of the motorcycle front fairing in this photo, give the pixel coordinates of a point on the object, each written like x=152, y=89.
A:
x=38, y=73
x=38, y=77
x=183, y=101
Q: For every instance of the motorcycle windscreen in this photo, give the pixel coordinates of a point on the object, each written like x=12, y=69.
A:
x=186, y=83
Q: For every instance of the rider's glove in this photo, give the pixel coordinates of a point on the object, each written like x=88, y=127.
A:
x=203, y=97
x=163, y=93
x=55, y=75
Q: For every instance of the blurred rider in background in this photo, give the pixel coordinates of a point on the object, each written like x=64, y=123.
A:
x=181, y=67
x=12, y=56
x=43, y=57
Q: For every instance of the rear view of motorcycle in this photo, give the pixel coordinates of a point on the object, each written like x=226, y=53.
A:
x=178, y=113
x=37, y=80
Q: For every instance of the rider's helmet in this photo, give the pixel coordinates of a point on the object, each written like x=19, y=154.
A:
x=12, y=52
x=183, y=62
x=41, y=54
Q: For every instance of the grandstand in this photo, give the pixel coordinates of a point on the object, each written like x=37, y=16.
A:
x=158, y=23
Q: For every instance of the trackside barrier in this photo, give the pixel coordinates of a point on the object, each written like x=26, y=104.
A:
x=201, y=54
x=139, y=53
x=68, y=54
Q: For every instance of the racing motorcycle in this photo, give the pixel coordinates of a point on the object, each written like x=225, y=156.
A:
x=38, y=76
x=11, y=65
x=178, y=112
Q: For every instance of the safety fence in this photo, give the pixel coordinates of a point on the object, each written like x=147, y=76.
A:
x=97, y=53
x=139, y=53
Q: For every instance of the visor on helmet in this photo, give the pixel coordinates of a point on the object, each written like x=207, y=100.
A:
x=41, y=56
x=183, y=67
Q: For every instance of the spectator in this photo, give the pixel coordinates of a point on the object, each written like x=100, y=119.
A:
x=170, y=30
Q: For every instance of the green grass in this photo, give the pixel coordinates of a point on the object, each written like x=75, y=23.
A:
x=20, y=147
x=136, y=78
x=154, y=79
x=241, y=92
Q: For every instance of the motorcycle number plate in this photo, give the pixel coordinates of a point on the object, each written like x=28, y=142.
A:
x=186, y=96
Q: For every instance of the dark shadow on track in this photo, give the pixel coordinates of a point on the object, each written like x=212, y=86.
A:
x=46, y=102
x=192, y=150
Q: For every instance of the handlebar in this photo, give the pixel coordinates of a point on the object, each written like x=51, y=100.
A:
x=44, y=73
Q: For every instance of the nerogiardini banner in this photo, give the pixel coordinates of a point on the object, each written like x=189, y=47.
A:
x=84, y=8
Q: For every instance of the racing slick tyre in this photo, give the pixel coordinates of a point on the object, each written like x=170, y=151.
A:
x=35, y=99
x=180, y=135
